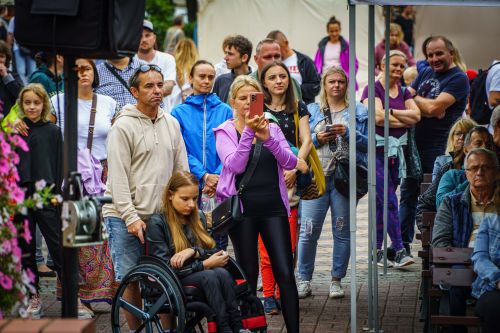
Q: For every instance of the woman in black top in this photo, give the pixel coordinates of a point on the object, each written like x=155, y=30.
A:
x=178, y=237
x=281, y=102
x=41, y=162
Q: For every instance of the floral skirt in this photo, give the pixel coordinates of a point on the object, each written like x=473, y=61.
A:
x=97, y=277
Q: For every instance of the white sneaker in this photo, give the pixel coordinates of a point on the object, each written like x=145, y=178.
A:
x=35, y=310
x=336, y=290
x=84, y=312
x=304, y=288
x=403, y=259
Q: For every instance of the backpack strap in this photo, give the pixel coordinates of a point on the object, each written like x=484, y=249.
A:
x=93, y=110
x=112, y=70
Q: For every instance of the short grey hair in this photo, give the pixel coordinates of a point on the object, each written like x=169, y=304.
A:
x=482, y=151
x=481, y=130
x=495, y=116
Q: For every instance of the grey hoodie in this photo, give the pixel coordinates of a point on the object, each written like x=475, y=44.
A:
x=142, y=156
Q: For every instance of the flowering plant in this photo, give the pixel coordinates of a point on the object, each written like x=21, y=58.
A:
x=14, y=281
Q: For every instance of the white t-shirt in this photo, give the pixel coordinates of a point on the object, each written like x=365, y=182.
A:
x=293, y=67
x=331, y=56
x=106, y=110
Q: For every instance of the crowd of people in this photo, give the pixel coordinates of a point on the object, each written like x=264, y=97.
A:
x=169, y=131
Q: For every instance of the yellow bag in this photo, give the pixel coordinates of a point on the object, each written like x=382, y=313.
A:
x=8, y=121
x=318, y=185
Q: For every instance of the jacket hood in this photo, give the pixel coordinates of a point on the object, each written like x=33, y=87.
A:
x=131, y=110
x=197, y=101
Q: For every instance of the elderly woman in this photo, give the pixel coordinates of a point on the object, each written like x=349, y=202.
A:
x=454, y=146
x=396, y=42
x=404, y=113
x=332, y=111
x=264, y=200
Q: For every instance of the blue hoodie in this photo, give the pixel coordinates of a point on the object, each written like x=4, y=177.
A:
x=191, y=115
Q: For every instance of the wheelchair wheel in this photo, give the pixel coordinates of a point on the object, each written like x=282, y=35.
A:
x=159, y=294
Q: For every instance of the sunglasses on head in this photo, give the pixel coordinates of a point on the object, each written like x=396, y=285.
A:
x=144, y=69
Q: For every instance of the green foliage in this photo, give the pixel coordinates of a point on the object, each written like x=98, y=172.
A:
x=161, y=13
x=189, y=29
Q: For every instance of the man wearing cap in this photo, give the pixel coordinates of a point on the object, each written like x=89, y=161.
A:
x=148, y=54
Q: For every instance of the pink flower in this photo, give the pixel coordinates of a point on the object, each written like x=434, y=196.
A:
x=5, y=282
x=16, y=252
x=30, y=275
x=4, y=166
x=5, y=147
x=26, y=234
x=6, y=246
x=19, y=142
x=17, y=195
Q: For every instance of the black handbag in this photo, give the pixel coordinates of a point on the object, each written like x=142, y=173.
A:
x=228, y=213
x=341, y=177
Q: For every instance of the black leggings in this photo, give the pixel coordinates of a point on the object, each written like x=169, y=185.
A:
x=48, y=220
x=275, y=233
x=218, y=286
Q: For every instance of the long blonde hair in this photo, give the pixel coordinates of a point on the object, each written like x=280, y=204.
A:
x=38, y=90
x=463, y=125
x=178, y=180
x=323, y=98
x=185, y=55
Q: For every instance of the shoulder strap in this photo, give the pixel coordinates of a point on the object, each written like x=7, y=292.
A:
x=93, y=111
x=328, y=115
x=296, y=121
x=251, y=168
x=115, y=74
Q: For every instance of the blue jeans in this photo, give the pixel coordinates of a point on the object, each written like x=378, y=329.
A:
x=124, y=247
x=25, y=65
x=313, y=217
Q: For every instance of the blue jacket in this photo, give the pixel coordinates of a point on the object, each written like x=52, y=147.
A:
x=452, y=182
x=361, y=129
x=453, y=225
x=486, y=256
x=191, y=115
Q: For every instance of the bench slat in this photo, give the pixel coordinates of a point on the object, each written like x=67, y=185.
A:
x=456, y=320
x=457, y=277
x=451, y=255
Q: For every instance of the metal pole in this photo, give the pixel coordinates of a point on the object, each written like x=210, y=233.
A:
x=372, y=241
x=70, y=255
x=386, y=126
x=352, y=160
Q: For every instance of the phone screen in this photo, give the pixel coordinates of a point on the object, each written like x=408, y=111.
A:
x=256, y=104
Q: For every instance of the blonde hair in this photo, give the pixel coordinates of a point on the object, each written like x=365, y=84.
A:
x=394, y=27
x=393, y=53
x=203, y=239
x=463, y=125
x=38, y=90
x=323, y=98
x=410, y=74
x=185, y=55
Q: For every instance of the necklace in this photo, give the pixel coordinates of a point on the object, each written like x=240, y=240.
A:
x=276, y=108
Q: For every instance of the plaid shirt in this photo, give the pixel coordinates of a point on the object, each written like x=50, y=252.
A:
x=110, y=86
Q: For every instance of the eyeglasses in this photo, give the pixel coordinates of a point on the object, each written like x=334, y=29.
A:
x=476, y=168
x=144, y=69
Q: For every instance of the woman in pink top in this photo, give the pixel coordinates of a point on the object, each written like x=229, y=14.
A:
x=396, y=42
x=264, y=200
x=333, y=50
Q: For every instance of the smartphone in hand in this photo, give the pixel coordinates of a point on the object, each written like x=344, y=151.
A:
x=256, y=104
x=328, y=128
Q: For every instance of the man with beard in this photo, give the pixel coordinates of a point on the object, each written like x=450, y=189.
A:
x=441, y=92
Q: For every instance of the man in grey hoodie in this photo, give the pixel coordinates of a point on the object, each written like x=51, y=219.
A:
x=145, y=147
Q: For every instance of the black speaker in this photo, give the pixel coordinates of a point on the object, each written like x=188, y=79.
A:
x=83, y=28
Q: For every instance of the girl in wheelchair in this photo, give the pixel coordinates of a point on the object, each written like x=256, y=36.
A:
x=178, y=237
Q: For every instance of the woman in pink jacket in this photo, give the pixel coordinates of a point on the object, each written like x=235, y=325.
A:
x=264, y=200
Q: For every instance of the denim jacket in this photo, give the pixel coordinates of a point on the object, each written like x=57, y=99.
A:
x=486, y=256
x=318, y=116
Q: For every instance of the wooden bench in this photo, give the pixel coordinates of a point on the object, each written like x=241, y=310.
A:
x=445, y=276
x=426, y=237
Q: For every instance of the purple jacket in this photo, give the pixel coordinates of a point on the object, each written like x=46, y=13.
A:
x=344, y=56
x=235, y=156
x=380, y=52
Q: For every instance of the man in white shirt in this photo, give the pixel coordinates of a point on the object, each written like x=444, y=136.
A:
x=301, y=67
x=149, y=55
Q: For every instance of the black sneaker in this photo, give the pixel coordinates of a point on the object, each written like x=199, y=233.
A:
x=403, y=259
x=380, y=260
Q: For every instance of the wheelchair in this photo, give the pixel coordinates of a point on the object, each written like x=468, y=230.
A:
x=163, y=293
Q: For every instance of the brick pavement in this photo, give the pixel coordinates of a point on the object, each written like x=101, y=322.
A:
x=398, y=299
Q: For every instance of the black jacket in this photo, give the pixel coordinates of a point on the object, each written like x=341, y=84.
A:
x=44, y=158
x=223, y=83
x=159, y=243
x=10, y=87
x=310, y=78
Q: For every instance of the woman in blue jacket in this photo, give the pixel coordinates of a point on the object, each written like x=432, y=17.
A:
x=197, y=116
x=333, y=110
